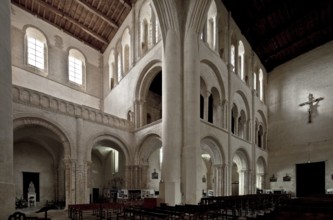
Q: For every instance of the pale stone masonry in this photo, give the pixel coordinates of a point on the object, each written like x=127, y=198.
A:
x=223, y=123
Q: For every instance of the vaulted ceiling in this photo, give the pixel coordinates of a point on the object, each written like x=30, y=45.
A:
x=278, y=30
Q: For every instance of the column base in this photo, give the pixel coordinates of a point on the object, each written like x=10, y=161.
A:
x=170, y=193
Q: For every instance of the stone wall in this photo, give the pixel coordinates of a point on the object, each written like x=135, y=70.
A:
x=292, y=139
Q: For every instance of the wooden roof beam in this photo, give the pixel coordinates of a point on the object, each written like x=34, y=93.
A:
x=98, y=13
x=63, y=15
x=125, y=3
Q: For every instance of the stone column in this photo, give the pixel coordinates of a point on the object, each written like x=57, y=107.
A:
x=225, y=107
x=136, y=114
x=70, y=179
x=218, y=183
x=192, y=149
x=218, y=114
x=244, y=182
x=136, y=176
x=133, y=36
x=206, y=105
x=143, y=114
x=236, y=68
x=88, y=177
x=144, y=174
x=7, y=189
x=241, y=185
x=56, y=182
x=128, y=177
x=80, y=171
x=260, y=180
x=172, y=105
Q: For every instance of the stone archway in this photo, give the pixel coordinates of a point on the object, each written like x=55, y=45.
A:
x=214, y=167
x=149, y=95
x=240, y=173
x=107, y=167
x=149, y=160
x=42, y=147
x=261, y=170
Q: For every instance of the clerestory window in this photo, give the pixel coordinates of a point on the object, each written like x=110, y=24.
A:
x=76, y=67
x=36, y=49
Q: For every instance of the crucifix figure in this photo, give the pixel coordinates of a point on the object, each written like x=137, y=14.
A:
x=312, y=102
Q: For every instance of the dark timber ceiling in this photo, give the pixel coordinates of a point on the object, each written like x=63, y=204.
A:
x=280, y=30
x=95, y=22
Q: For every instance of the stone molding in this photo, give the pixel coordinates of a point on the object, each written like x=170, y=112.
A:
x=43, y=101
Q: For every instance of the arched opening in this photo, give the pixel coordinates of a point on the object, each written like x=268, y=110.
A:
x=144, y=35
x=119, y=67
x=260, y=136
x=212, y=175
x=39, y=161
x=150, y=158
x=240, y=173
x=241, y=55
x=36, y=49
x=126, y=59
x=76, y=67
x=112, y=70
x=154, y=99
x=207, y=175
x=234, y=122
x=255, y=81
x=212, y=26
x=235, y=180
x=210, y=108
x=107, y=171
x=260, y=174
x=261, y=85
x=242, y=125
x=232, y=57
x=202, y=104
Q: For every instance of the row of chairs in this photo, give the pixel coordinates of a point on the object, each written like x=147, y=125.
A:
x=223, y=207
x=101, y=210
x=215, y=208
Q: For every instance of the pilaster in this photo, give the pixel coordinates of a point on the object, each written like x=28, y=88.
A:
x=7, y=192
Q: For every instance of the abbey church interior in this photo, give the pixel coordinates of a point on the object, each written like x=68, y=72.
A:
x=105, y=100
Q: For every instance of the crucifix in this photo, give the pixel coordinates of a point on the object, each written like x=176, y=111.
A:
x=312, y=102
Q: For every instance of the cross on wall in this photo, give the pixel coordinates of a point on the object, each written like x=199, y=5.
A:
x=312, y=102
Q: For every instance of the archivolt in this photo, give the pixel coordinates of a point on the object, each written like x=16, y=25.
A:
x=29, y=121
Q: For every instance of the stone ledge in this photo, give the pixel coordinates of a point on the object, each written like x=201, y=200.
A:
x=43, y=101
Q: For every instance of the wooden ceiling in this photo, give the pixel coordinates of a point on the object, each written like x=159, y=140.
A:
x=95, y=22
x=280, y=30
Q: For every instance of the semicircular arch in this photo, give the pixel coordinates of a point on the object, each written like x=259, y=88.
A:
x=147, y=146
x=31, y=120
x=107, y=139
x=210, y=145
x=217, y=74
x=146, y=77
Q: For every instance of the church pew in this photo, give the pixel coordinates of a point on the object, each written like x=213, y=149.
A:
x=137, y=213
